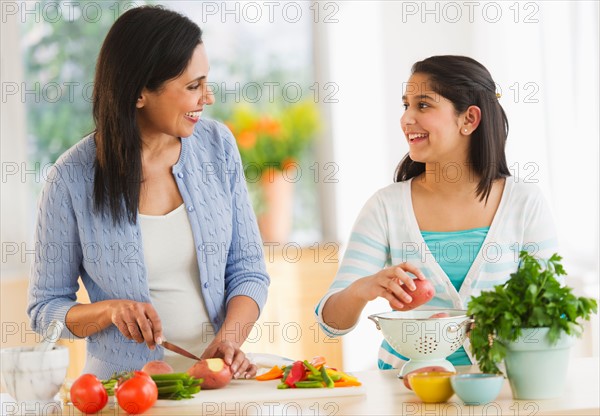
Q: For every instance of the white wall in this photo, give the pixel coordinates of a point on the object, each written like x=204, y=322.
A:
x=358, y=119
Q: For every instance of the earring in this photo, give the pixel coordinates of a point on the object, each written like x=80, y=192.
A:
x=465, y=130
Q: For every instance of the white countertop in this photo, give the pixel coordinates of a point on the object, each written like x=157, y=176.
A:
x=382, y=393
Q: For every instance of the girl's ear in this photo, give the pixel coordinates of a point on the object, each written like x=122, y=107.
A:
x=141, y=101
x=472, y=118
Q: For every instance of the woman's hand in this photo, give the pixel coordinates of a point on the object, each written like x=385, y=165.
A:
x=233, y=357
x=137, y=321
x=387, y=284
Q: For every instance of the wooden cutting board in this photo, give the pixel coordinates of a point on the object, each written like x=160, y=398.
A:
x=253, y=391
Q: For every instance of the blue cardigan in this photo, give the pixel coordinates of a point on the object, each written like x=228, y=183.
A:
x=73, y=241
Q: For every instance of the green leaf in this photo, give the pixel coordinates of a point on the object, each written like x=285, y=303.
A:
x=532, y=297
x=533, y=290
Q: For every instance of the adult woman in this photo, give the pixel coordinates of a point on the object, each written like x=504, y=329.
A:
x=154, y=211
x=454, y=215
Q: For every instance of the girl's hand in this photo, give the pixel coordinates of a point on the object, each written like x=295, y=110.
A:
x=137, y=321
x=233, y=357
x=387, y=284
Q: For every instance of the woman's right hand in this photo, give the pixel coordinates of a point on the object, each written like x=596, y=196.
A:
x=137, y=321
x=387, y=284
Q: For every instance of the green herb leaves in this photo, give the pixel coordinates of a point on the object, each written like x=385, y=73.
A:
x=532, y=298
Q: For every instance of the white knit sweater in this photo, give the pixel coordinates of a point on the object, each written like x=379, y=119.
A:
x=386, y=233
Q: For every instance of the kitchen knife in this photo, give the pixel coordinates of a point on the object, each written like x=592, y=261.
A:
x=179, y=350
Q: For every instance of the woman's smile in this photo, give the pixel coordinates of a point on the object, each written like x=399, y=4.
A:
x=177, y=106
x=193, y=116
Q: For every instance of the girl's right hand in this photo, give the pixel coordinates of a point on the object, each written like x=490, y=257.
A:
x=387, y=284
x=137, y=321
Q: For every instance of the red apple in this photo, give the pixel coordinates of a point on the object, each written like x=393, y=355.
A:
x=213, y=371
x=423, y=293
x=157, y=367
x=439, y=315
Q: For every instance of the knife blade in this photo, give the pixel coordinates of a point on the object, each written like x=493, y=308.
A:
x=178, y=350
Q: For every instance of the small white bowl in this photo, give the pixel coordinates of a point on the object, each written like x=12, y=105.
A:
x=34, y=377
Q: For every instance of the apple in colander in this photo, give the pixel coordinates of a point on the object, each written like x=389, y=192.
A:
x=439, y=315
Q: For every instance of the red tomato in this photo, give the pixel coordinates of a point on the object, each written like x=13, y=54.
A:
x=136, y=394
x=88, y=394
x=143, y=374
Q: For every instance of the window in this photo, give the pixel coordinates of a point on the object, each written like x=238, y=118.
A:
x=260, y=55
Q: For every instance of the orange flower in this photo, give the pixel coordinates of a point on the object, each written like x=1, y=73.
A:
x=230, y=127
x=246, y=139
x=288, y=163
x=269, y=126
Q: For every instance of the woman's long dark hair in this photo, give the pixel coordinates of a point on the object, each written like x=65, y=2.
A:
x=145, y=47
x=465, y=82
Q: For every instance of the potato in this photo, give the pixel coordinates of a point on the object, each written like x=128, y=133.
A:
x=157, y=367
x=213, y=371
x=406, y=380
x=439, y=315
x=423, y=293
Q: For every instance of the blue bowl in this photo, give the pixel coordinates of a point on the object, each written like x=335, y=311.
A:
x=477, y=389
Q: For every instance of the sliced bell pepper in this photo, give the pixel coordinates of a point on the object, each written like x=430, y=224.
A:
x=326, y=379
x=318, y=361
x=348, y=383
x=312, y=377
x=273, y=374
x=348, y=377
x=311, y=368
x=309, y=384
x=297, y=373
x=343, y=376
x=334, y=376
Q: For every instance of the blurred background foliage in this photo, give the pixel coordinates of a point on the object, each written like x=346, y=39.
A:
x=59, y=60
x=274, y=138
x=59, y=56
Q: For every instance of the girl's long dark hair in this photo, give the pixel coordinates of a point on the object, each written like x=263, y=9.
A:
x=465, y=82
x=145, y=47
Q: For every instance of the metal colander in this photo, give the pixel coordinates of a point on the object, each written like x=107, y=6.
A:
x=424, y=340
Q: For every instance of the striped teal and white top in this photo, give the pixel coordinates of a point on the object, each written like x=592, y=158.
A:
x=386, y=233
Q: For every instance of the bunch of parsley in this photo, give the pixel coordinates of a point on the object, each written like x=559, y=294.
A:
x=531, y=298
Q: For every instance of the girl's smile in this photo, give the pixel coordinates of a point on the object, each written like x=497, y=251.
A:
x=416, y=138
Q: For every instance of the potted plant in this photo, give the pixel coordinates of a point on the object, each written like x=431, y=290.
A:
x=270, y=144
x=529, y=322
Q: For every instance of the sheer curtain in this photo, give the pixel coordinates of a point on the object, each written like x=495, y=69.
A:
x=16, y=172
x=570, y=70
x=548, y=71
x=544, y=57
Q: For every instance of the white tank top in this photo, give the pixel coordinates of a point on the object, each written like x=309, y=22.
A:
x=174, y=282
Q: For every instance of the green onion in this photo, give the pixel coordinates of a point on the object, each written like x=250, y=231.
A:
x=176, y=386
